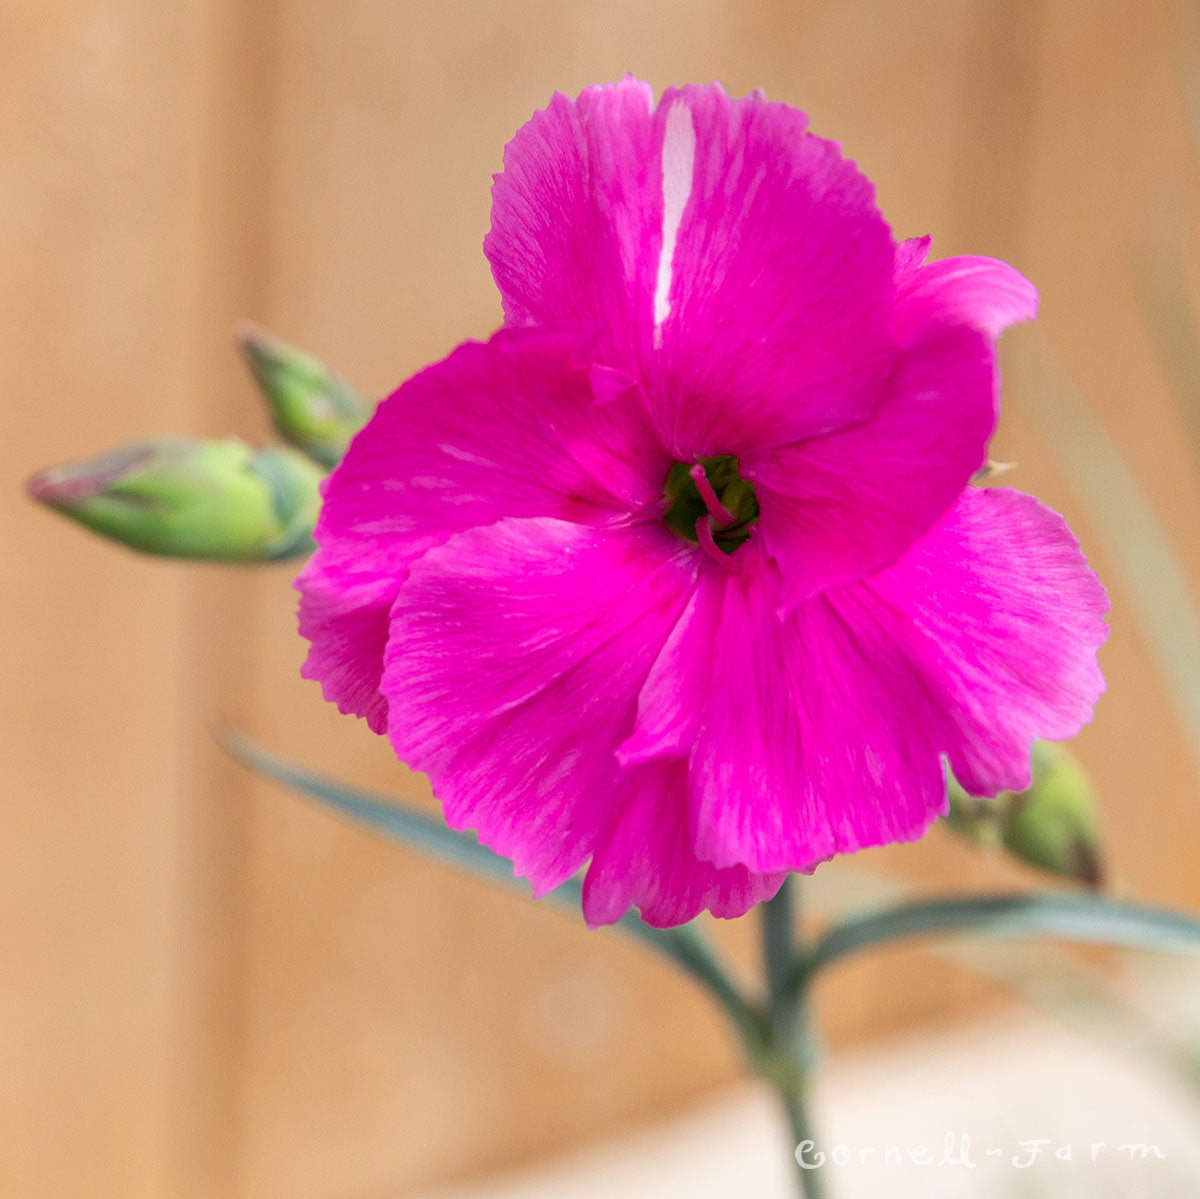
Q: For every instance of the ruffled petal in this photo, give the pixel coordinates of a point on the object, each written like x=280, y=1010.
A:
x=981, y=640
x=735, y=262
x=981, y=293
x=344, y=613
x=645, y=859
x=519, y=426
x=836, y=508
x=577, y=217
x=817, y=737
x=998, y=605
x=668, y=716
x=776, y=290
x=508, y=427
x=515, y=658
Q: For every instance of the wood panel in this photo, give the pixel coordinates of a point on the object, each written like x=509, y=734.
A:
x=219, y=990
x=102, y=253
x=1112, y=171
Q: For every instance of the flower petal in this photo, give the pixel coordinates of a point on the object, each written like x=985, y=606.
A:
x=344, y=613
x=668, y=716
x=911, y=253
x=577, y=217
x=508, y=427
x=779, y=284
x=981, y=640
x=645, y=859
x=814, y=739
x=735, y=262
x=512, y=672
x=998, y=604
x=980, y=293
x=835, y=508
x=511, y=427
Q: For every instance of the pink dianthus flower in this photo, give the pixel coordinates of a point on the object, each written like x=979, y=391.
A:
x=680, y=575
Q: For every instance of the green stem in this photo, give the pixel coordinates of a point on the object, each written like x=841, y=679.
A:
x=787, y=1063
x=779, y=949
x=795, y=1101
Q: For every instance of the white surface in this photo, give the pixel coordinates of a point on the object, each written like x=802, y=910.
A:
x=1002, y=1086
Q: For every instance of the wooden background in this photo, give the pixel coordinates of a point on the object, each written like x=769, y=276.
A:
x=212, y=989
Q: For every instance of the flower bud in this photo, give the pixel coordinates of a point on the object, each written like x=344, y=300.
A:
x=1052, y=825
x=312, y=408
x=182, y=498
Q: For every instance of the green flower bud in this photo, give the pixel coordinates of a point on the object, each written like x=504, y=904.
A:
x=220, y=500
x=312, y=408
x=1053, y=825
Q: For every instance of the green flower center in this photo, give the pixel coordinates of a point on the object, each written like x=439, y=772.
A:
x=710, y=503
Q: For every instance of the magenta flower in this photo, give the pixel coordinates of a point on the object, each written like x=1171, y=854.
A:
x=680, y=574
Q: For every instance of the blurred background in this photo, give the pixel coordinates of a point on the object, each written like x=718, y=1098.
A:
x=211, y=988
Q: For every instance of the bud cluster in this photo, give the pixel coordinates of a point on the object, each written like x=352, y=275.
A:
x=221, y=500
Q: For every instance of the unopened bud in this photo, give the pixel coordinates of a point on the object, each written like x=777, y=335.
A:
x=1052, y=825
x=312, y=408
x=220, y=500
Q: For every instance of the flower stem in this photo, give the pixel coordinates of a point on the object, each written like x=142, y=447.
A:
x=779, y=947
x=809, y=1182
x=788, y=1061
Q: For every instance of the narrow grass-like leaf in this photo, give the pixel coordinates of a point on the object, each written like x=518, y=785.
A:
x=686, y=945
x=1064, y=917
x=400, y=822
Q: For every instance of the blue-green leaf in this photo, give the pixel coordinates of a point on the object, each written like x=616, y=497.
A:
x=401, y=822
x=1065, y=917
x=686, y=945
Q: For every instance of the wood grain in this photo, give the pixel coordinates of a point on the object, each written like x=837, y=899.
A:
x=216, y=990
